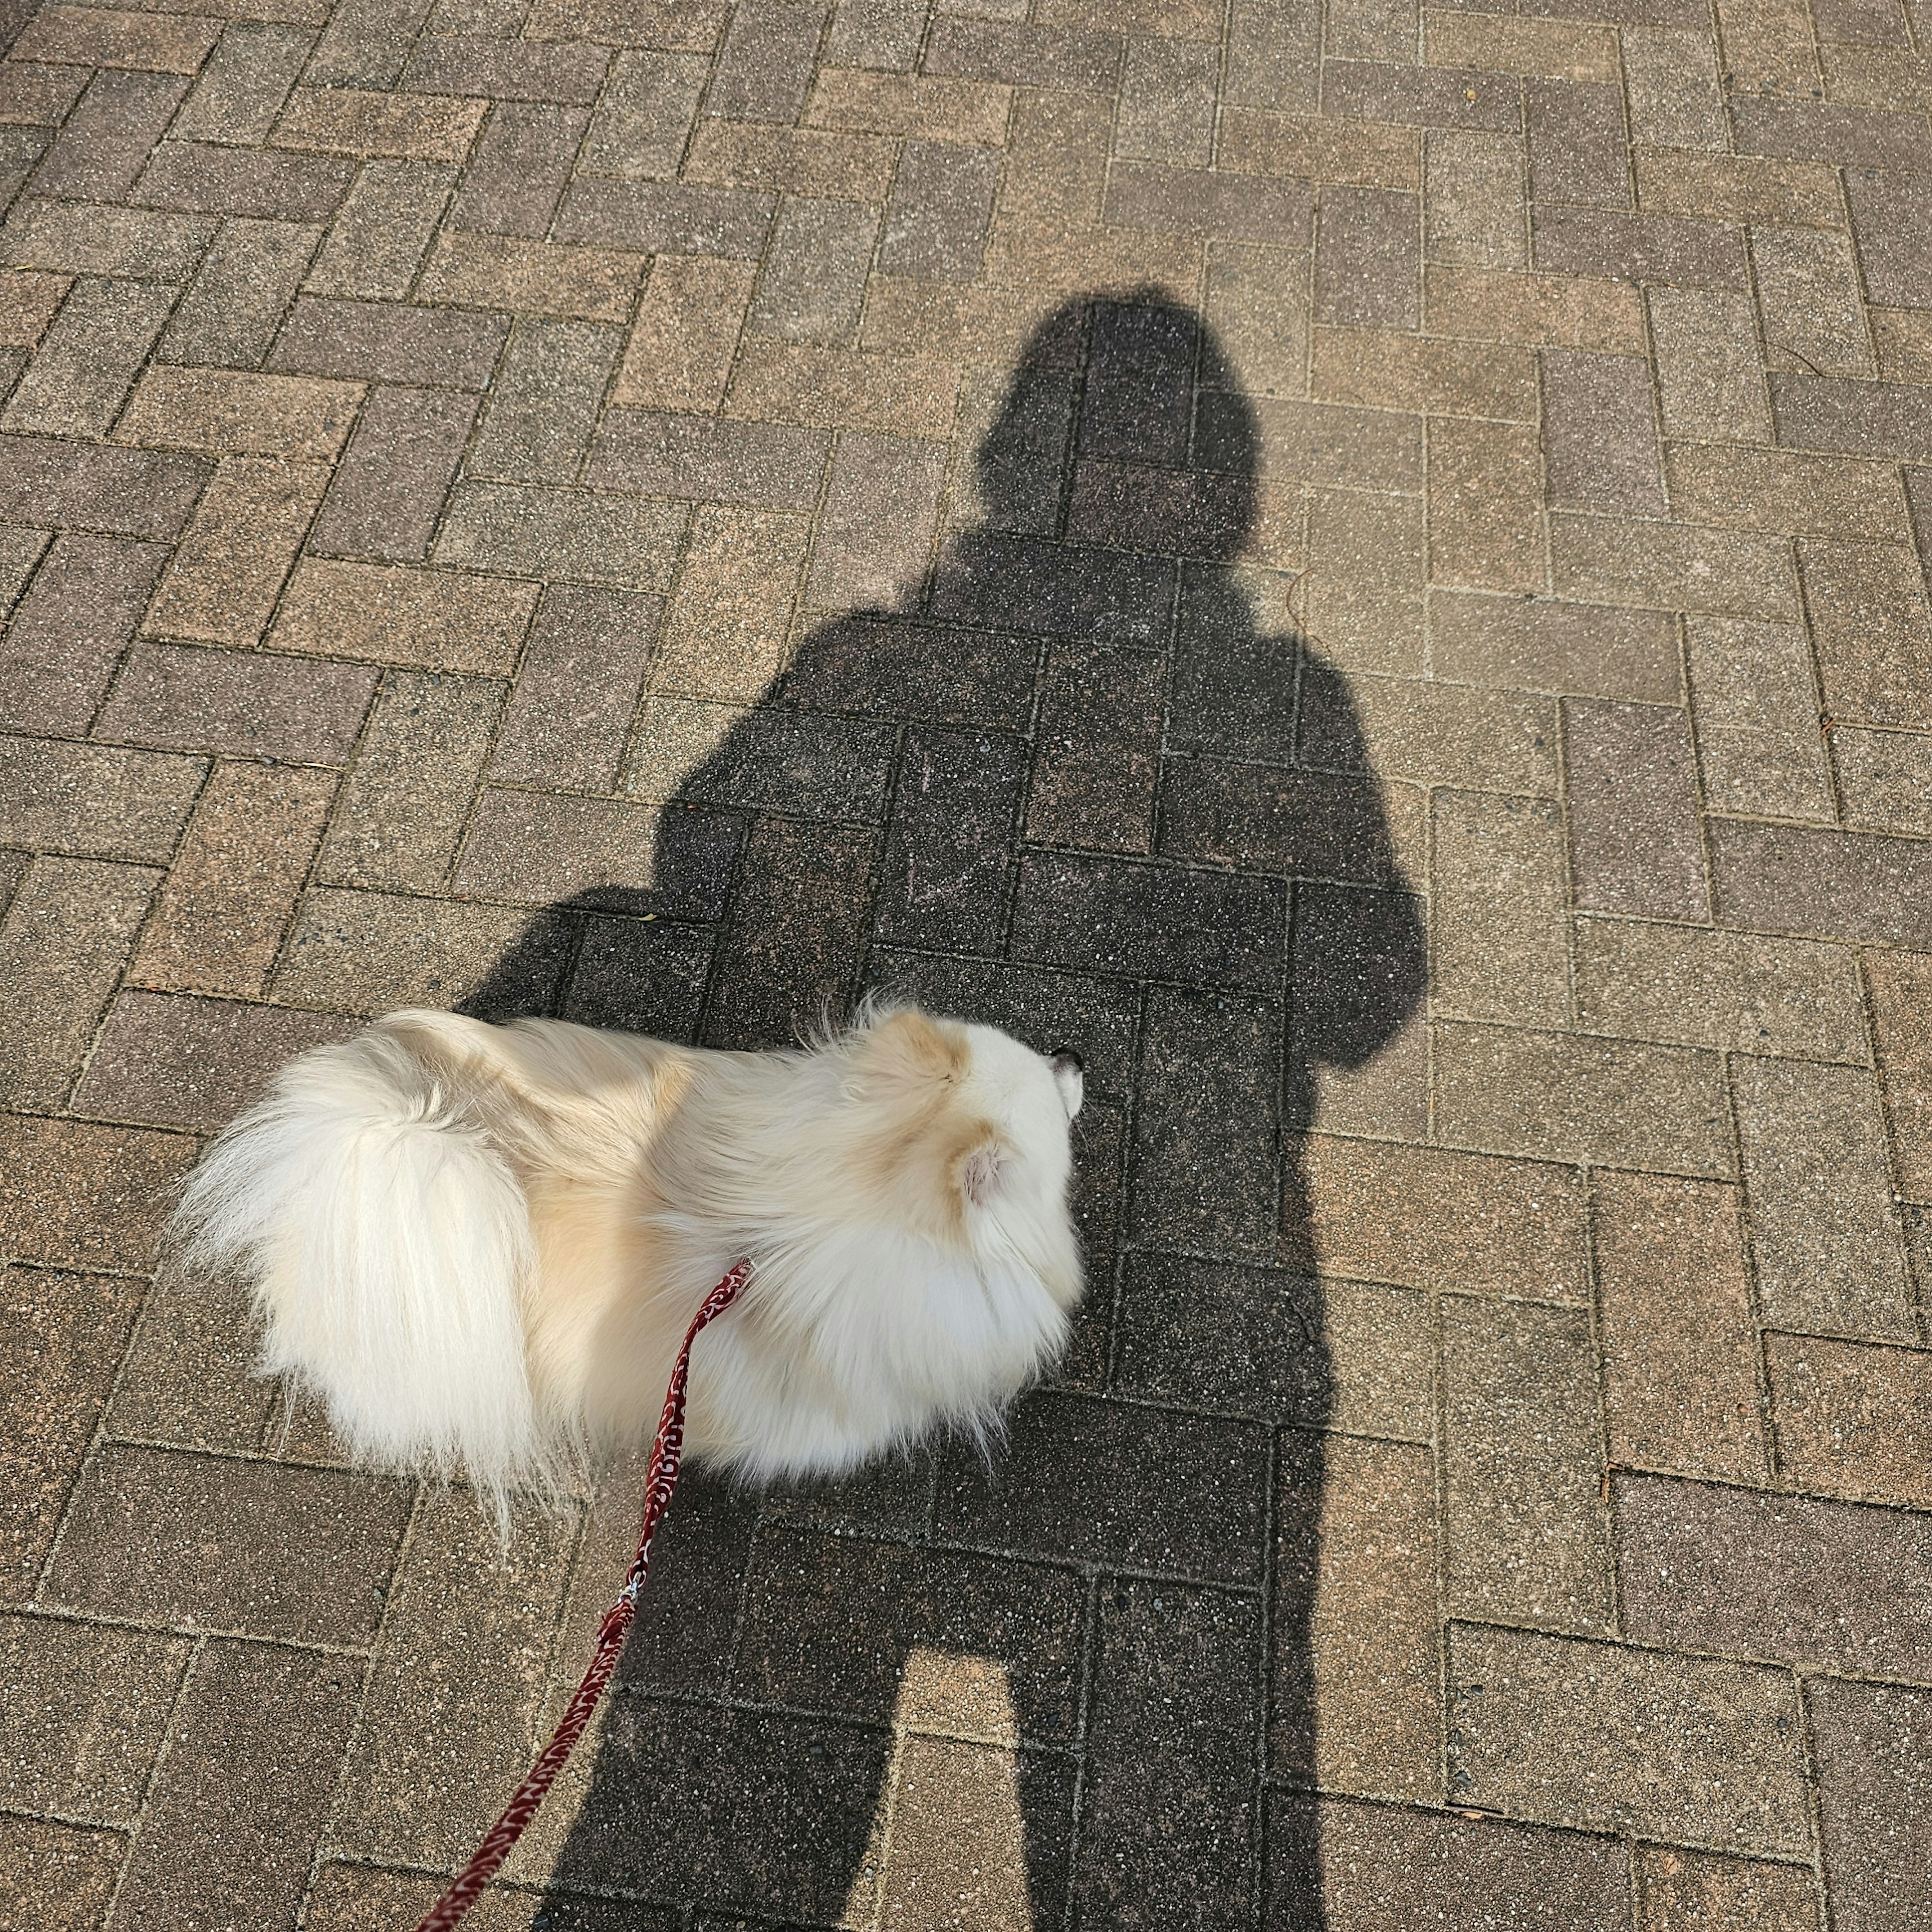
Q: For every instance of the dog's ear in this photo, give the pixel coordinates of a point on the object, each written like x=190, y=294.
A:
x=1070, y=1078
x=909, y=1049
x=980, y=1174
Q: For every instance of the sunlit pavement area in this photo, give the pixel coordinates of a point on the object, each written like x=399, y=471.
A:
x=1361, y=568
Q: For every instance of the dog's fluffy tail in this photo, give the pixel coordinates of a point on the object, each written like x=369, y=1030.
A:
x=388, y=1247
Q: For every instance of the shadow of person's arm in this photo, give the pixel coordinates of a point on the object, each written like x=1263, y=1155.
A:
x=1368, y=949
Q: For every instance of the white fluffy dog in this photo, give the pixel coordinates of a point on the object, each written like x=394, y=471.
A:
x=480, y=1245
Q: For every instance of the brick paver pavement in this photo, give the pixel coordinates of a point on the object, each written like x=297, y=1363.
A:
x=1363, y=568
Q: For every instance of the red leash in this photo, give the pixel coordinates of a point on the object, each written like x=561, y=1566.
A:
x=660, y=1480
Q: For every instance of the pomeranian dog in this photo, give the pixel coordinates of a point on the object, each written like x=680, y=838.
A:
x=480, y=1246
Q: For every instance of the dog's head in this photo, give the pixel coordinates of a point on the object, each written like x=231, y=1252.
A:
x=931, y=1263
x=973, y=1142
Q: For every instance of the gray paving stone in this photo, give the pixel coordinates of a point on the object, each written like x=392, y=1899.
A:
x=1525, y=1538
x=1836, y=1586
x=1824, y=1234
x=221, y=1543
x=1383, y=1866
x=1871, y=1740
x=1553, y=1729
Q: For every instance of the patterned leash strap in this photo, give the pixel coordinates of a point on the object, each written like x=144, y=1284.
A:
x=660, y=1480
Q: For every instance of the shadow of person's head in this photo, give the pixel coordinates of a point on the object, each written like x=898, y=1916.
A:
x=1124, y=424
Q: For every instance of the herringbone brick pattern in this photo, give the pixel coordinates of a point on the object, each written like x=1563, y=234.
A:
x=1362, y=567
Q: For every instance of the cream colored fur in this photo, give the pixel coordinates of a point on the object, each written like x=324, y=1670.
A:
x=480, y=1245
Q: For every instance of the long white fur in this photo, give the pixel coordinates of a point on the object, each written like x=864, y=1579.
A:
x=480, y=1246
x=389, y=1248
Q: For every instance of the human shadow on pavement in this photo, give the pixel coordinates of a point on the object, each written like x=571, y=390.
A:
x=1073, y=788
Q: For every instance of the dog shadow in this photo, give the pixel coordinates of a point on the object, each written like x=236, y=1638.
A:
x=1075, y=787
